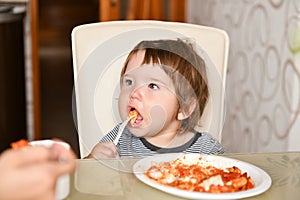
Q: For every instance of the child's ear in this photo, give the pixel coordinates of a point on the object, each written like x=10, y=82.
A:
x=186, y=110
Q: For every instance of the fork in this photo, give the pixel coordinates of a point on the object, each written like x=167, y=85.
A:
x=121, y=129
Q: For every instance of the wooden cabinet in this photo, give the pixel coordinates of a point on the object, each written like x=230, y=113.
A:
x=12, y=83
x=52, y=23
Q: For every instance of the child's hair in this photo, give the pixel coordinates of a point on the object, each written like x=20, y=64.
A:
x=185, y=67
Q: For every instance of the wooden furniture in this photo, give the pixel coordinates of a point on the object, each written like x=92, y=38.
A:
x=51, y=25
x=12, y=76
x=34, y=21
x=172, y=10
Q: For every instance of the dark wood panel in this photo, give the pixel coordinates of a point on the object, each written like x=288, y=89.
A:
x=12, y=83
x=57, y=18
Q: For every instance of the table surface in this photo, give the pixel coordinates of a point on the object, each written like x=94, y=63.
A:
x=99, y=179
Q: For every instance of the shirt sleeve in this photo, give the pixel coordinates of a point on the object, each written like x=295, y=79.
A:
x=217, y=148
x=207, y=144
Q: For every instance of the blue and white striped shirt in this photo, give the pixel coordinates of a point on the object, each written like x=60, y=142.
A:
x=132, y=146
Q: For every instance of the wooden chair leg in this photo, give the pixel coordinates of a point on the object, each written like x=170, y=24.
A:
x=143, y=9
x=157, y=10
x=177, y=10
x=145, y=13
x=109, y=10
x=131, y=9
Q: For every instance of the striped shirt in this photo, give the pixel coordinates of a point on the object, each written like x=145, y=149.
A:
x=132, y=146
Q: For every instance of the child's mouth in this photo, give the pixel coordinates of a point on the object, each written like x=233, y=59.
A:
x=136, y=117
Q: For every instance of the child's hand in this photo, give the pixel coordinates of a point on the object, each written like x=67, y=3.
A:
x=104, y=150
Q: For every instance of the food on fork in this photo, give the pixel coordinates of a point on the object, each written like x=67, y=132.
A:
x=199, y=176
x=133, y=113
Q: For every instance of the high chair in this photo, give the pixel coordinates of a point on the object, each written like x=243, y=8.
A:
x=99, y=51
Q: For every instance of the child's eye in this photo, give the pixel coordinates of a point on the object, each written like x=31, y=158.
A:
x=127, y=82
x=153, y=86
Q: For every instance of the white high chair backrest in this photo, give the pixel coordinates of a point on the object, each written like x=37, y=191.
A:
x=99, y=51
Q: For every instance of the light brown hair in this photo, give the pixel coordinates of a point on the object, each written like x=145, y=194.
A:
x=185, y=67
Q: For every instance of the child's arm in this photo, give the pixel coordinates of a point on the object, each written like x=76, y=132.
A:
x=104, y=150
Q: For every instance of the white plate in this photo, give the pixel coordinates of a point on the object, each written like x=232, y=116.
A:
x=261, y=179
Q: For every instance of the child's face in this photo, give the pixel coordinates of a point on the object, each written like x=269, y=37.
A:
x=150, y=91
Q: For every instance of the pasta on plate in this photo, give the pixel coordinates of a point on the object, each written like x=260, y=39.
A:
x=199, y=176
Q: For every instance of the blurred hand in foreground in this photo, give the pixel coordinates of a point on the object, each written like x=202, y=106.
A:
x=31, y=172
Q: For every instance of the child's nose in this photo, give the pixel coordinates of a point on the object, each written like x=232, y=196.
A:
x=137, y=93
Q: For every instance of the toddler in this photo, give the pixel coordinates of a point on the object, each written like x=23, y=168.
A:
x=165, y=83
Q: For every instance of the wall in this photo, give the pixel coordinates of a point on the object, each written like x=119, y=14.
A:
x=263, y=82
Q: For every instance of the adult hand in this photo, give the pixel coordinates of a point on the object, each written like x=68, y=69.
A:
x=31, y=172
x=104, y=150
